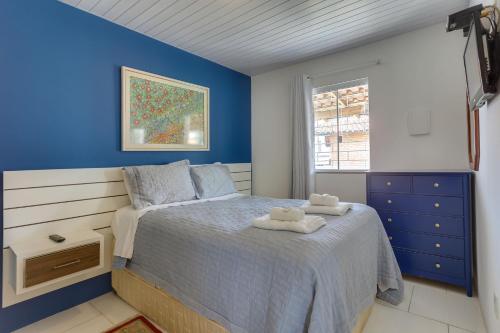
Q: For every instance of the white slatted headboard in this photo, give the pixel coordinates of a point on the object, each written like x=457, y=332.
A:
x=40, y=202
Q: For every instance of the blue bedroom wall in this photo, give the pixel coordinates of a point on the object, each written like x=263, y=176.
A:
x=60, y=107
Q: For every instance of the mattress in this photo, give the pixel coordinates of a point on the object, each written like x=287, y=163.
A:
x=208, y=256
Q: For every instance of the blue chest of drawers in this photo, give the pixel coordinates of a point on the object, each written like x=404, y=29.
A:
x=428, y=218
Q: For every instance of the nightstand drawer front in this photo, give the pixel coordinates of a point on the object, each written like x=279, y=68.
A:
x=438, y=185
x=429, y=263
x=432, y=244
x=54, y=265
x=452, y=226
x=435, y=205
x=389, y=183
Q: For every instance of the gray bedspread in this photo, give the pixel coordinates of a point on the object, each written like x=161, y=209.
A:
x=258, y=281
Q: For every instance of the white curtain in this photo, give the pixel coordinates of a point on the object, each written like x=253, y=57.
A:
x=302, y=138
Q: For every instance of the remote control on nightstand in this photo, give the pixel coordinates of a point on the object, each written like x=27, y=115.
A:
x=57, y=238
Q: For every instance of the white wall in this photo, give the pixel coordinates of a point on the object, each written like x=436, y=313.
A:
x=487, y=216
x=350, y=186
x=419, y=69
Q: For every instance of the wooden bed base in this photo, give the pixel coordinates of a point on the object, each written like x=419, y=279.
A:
x=171, y=314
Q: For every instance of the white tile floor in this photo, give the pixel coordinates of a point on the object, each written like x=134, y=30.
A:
x=95, y=316
x=427, y=308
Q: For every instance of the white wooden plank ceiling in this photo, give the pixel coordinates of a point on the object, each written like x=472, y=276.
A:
x=254, y=36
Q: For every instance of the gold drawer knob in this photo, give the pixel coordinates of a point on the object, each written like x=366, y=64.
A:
x=438, y=266
x=438, y=245
x=389, y=201
x=389, y=219
x=437, y=225
x=388, y=183
x=436, y=185
x=436, y=205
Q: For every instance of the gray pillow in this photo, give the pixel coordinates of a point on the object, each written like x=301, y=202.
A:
x=159, y=184
x=212, y=180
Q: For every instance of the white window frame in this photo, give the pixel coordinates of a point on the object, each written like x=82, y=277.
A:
x=338, y=170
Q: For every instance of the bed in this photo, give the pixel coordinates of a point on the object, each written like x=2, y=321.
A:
x=202, y=267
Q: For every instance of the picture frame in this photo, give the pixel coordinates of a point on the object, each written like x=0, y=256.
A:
x=163, y=114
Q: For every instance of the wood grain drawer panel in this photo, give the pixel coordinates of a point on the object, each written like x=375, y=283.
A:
x=424, y=204
x=452, y=226
x=409, y=260
x=390, y=183
x=438, y=185
x=57, y=264
x=431, y=244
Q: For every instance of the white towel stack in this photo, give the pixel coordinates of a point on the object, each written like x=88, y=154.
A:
x=323, y=200
x=325, y=204
x=308, y=224
x=289, y=219
x=287, y=214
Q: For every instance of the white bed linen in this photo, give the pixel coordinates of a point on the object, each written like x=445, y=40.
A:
x=125, y=221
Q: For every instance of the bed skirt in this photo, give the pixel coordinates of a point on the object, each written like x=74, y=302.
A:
x=171, y=314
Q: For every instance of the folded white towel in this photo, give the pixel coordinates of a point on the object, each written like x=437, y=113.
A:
x=287, y=214
x=309, y=224
x=323, y=200
x=339, y=210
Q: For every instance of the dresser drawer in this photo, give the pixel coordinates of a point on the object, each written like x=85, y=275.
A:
x=429, y=263
x=438, y=185
x=389, y=183
x=437, y=205
x=57, y=264
x=432, y=244
x=453, y=226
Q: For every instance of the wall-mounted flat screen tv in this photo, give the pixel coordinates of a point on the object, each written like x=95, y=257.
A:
x=478, y=67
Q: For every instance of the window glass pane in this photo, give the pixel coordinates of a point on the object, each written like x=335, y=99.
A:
x=325, y=130
x=341, y=127
x=354, y=128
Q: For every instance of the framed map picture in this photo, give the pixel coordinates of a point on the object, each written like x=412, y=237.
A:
x=159, y=113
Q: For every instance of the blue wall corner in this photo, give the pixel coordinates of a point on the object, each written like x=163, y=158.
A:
x=60, y=108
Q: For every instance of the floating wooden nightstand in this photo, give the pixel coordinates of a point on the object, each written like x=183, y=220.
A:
x=41, y=262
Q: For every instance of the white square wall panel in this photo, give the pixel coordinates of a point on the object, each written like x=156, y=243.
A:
x=419, y=121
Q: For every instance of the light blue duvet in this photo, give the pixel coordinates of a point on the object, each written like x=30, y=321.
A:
x=250, y=280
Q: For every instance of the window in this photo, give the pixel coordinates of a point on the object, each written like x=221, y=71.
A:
x=341, y=126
